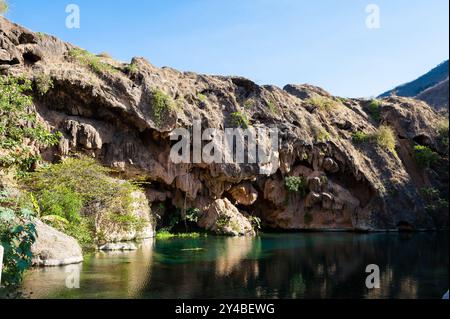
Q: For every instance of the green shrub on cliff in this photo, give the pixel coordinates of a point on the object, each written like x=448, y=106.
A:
x=239, y=119
x=385, y=138
x=374, y=110
x=91, y=61
x=44, y=83
x=361, y=137
x=296, y=184
x=425, y=157
x=19, y=126
x=162, y=105
x=322, y=103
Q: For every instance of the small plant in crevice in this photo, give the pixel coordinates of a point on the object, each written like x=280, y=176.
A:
x=272, y=107
x=44, y=83
x=202, y=97
x=374, y=110
x=255, y=222
x=361, y=138
x=162, y=105
x=296, y=184
x=385, y=138
x=321, y=135
x=239, y=119
x=322, y=103
x=91, y=61
x=425, y=157
x=132, y=69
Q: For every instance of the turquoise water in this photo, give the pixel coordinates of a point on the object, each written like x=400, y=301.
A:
x=306, y=265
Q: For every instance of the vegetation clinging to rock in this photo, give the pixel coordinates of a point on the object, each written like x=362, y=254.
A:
x=19, y=126
x=83, y=195
x=162, y=105
x=385, y=138
x=240, y=120
x=91, y=61
x=296, y=184
x=425, y=157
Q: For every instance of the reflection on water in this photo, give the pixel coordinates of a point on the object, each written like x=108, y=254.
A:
x=312, y=265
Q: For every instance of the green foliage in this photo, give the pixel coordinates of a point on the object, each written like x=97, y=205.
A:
x=324, y=104
x=240, y=120
x=60, y=201
x=164, y=235
x=132, y=69
x=424, y=156
x=361, y=138
x=374, y=110
x=162, y=105
x=19, y=126
x=223, y=221
x=43, y=83
x=385, y=138
x=41, y=36
x=192, y=215
x=272, y=107
x=296, y=184
x=3, y=7
x=321, y=135
x=435, y=203
x=81, y=191
x=91, y=61
x=17, y=235
x=256, y=222
x=203, y=98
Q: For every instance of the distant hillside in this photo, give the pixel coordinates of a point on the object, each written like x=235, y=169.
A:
x=431, y=87
x=414, y=88
x=436, y=96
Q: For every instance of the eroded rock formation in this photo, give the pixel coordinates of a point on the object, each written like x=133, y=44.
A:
x=110, y=114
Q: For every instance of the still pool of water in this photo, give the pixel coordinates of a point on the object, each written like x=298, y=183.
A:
x=305, y=265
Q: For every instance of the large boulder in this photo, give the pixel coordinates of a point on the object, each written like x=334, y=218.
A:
x=53, y=248
x=223, y=218
x=141, y=210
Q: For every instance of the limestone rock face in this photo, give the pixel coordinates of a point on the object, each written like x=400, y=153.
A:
x=244, y=194
x=53, y=248
x=223, y=218
x=112, y=116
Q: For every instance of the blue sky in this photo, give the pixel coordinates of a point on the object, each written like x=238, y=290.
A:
x=322, y=42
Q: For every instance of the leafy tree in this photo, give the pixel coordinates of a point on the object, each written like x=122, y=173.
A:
x=17, y=235
x=19, y=126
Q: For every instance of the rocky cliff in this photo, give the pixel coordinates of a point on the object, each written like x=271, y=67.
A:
x=112, y=111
